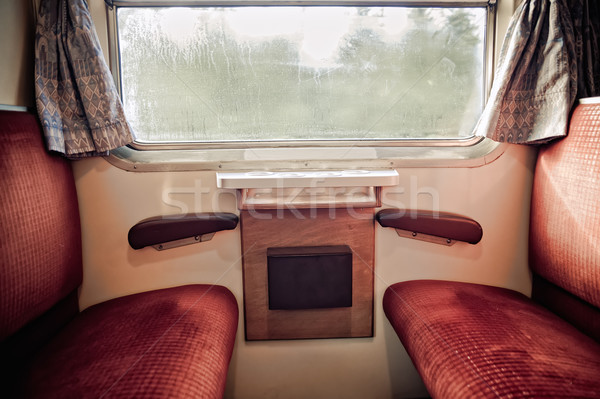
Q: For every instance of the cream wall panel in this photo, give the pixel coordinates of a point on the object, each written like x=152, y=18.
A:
x=112, y=201
x=16, y=63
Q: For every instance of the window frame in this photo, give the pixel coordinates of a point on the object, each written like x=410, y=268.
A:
x=490, y=36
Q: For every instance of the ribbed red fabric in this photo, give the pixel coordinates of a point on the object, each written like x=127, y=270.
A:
x=565, y=208
x=175, y=342
x=170, y=343
x=40, y=245
x=476, y=341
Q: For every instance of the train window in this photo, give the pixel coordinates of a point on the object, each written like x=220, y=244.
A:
x=301, y=73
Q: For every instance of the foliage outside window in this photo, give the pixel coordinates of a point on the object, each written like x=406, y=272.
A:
x=301, y=72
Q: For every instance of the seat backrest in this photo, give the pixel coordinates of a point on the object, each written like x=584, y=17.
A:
x=565, y=219
x=40, y=245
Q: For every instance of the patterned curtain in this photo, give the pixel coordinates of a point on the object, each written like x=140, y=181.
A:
x=549, y=58
x=77, y=102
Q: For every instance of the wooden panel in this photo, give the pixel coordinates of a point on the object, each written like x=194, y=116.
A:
x=311, y=227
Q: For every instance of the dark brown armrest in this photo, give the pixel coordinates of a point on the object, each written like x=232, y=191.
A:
x=179, y=229
x=439, y=224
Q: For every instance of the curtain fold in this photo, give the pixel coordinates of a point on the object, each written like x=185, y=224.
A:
x=549, y=58
x=76, y=98
x=536, y=79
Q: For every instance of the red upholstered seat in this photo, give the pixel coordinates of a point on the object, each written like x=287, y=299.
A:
x=469, y=340
x=40, y=249
x=170, y=343
x=474, y=341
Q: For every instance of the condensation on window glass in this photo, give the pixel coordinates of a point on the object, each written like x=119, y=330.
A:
x=301, y=72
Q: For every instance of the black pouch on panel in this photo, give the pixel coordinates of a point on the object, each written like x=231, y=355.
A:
x=310, y=277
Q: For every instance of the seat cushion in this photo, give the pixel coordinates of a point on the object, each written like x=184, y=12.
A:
x=175, y=342
x=469, y=340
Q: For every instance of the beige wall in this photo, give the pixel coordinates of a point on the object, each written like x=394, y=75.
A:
x=16, y=48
